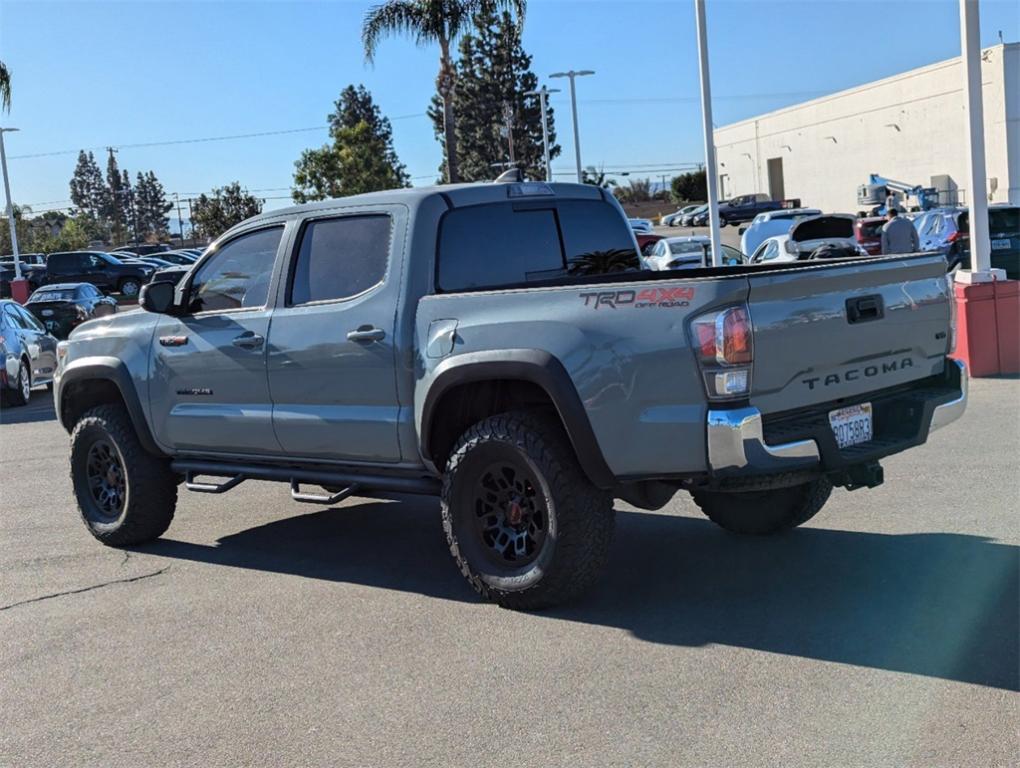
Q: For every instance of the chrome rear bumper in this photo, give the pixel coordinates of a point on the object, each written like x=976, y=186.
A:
x=736, y=442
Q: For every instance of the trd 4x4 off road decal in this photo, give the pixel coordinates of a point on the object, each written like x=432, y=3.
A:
x=647, y=297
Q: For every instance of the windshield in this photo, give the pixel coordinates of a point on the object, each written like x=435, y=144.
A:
x=110, y=259
x=678, y=249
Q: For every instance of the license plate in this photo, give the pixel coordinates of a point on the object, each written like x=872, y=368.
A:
x=851, y=425
x=1000, y=245
x=47, y=313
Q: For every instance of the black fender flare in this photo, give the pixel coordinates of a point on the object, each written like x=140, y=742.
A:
x=115, y=371
x=532, y=365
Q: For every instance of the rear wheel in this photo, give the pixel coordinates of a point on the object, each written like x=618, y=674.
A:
x=125, y=495
x=761, y=513
x=22, y=391
x=526, y=527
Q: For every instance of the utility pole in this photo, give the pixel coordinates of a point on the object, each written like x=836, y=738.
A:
x=542, y=93
x=706, y=116
x=180, y=220
x=191, y=223
x=573, y=111
x=19, y=286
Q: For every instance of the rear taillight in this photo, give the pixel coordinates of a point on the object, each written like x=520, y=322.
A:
x=722, y=341
x=953, y=237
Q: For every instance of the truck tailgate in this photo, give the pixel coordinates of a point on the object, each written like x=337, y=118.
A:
x=838, y=331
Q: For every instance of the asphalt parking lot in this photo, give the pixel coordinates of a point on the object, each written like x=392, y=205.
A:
x=264, y=632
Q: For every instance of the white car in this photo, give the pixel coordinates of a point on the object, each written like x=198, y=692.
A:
x=686, y=253
x=641, y=225
x=805, y=236
x=673, y=219
x=771, y=223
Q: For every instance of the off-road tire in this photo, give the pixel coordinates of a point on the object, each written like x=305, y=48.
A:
x=760, y=513
x=579, y=516
x=17, y=396
x=150, y=495
x=129, y=281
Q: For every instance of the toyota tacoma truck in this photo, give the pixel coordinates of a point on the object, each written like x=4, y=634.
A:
x=368, y=346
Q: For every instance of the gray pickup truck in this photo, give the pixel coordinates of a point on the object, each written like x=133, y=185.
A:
x=495, y=345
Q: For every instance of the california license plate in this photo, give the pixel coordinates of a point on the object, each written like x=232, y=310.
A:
x=851, y=425
x=1000, y=245
x=47, y=313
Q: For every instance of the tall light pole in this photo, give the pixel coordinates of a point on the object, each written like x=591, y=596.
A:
x=19, y=288
x=573, y=111
x=706, y=115
x=542, y=93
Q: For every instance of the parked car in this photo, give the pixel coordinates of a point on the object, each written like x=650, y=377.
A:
x=1004, y=234
x=745, y=208
x=179, y=257
x=33, y=269
x=771, y=223
x=64, y=306
x=171, y=274
x=27, y=352
x=674, y=219
x=641, y=225
x=524, y=393
x=868, y=233
x=103, y=270
x=687, y=220
x=141, y=249
x=808, y=235
x=687, y=253
x=646, y=241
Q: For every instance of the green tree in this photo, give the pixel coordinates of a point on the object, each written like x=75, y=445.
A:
x=5, y=87
x=361, y=157
x=151, y=207
x=432, y=21
x=689, y=187
x=88, y=190
x=117, y=213
x=214, y=214
x=493, y=74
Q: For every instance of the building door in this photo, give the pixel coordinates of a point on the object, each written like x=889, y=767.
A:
x=724, y=187
x=776, y=189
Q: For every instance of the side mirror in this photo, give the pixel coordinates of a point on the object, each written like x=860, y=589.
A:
x=157, y=297
x=791, y=247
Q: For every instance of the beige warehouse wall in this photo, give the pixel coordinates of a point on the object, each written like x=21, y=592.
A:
x=909, y=127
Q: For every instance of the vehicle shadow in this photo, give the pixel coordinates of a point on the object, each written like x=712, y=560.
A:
x=39, y=408
x=940, y=605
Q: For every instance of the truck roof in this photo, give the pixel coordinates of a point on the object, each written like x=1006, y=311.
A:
x=456, y=194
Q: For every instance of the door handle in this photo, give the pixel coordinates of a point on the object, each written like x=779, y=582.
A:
x=248, y=340
x=366, y=333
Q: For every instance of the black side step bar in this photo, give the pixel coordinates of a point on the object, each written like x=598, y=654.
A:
x=365, y=484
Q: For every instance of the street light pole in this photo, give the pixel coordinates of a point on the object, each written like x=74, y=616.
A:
x=542, y=93
x=18, y=284
x=706, y=115
x=573, y=111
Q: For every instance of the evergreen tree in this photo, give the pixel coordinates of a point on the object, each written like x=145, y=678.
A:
x=212, y=215
x=88, y=191
x=689, y=187
x=493, y=74
x=151, y=207
x=117, y=203
x=361, y=157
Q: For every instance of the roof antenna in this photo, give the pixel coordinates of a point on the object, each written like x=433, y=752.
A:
x=510, y=175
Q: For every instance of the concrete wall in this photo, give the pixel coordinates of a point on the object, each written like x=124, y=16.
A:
x=909, y=128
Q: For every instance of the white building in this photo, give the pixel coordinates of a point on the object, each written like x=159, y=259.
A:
x=908, y=128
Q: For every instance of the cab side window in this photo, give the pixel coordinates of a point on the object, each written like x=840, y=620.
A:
x=238, y=274
x=340, y=258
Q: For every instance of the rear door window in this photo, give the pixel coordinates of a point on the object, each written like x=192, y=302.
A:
x=340, y=258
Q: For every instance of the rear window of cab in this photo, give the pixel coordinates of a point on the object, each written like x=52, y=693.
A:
x=504, y=244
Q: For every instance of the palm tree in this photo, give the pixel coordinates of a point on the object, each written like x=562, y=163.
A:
x=5, y=87
x=433, y=21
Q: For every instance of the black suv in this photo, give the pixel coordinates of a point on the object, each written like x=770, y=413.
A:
x=103, y=270
x=142, y=249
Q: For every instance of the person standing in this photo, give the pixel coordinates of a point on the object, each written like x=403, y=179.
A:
x=899, y=235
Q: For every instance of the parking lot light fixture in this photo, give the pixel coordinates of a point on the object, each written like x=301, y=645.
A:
x=542, y=93
x=572, y=74
x=10, y=206
x=711, y=172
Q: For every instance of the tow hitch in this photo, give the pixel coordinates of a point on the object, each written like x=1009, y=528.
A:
x=867, y=475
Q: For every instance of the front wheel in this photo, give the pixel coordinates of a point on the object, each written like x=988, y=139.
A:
x=130, y=287
x=125, y=494
x=761, y=513
x=524, y=524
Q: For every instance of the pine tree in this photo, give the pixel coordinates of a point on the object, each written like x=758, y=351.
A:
x=361, y=157
x=151, y=207
x=493, y=74
x=116, y=212
x=88, y=191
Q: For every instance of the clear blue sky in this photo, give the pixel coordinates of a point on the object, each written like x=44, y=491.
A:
x=91, y=74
